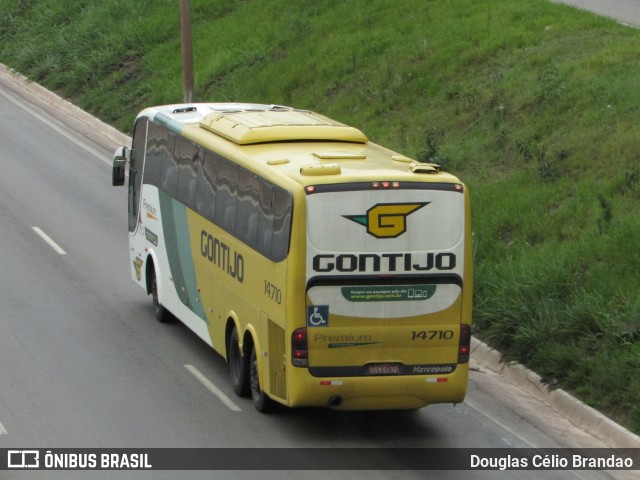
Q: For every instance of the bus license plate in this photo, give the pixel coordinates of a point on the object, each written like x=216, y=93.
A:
x=383, y=369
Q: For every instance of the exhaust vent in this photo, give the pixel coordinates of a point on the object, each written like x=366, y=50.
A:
x=430, y=168
x=316, y=170
x=339, y=156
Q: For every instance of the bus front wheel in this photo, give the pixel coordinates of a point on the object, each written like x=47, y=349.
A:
x=261, y=400
x=162, y=314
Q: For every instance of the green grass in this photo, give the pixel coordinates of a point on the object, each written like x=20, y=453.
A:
x=535, y=105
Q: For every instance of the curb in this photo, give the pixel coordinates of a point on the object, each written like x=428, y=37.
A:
x=101, y=133
x=577, y=412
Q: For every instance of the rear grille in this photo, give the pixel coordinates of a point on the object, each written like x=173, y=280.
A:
x=277, y=365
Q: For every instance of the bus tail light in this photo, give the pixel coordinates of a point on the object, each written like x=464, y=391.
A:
x=464, y=347
x=299, y=348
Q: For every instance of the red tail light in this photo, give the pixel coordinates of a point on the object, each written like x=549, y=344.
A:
x=299, y=348
x=464, y=347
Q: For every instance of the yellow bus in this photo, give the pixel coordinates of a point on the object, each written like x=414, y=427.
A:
x=327, y=270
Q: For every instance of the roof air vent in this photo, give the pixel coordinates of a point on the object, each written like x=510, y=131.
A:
x=425, y=168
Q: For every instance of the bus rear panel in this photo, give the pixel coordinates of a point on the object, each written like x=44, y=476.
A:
x=384, y=296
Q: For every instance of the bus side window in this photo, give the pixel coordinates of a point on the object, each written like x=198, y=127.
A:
x=206, y=188
x=135, y=171
x=248, y=205
x=265, y=220
x=227, y=195
x=153, y=159
x=283, y=204
x=169, y=172
x=188, y=165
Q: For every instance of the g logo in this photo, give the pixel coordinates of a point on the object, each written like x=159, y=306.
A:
x=387, y=220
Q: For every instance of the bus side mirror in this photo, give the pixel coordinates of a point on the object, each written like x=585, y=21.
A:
x=119, y=163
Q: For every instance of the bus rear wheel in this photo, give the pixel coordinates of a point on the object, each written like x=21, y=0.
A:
x=238, y=366
x=261, y=400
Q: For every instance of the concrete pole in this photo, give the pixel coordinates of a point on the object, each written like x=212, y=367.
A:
x=187, y=51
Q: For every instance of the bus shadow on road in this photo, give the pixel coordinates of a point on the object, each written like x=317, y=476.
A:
x=335, y=428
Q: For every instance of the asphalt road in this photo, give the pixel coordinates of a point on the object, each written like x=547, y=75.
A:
x=625, y=11
x=83, y=362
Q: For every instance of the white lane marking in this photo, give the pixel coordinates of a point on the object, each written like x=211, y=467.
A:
x=213, y=389
x=3, y=431
x=499, y=423
x=513, y=432
x=62, y=131
x=47, y=239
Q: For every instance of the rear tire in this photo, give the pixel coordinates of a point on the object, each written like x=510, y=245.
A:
x=238, y=366
x=261, y=400
x=162, y=314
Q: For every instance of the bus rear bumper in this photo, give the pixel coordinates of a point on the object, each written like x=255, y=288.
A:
x=379, y=393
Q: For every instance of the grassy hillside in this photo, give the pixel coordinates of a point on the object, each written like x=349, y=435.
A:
x=535, y=105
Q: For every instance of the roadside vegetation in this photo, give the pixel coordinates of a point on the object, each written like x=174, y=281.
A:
x=534, y=105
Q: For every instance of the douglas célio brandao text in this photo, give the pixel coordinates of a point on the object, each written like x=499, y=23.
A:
x=550, y=462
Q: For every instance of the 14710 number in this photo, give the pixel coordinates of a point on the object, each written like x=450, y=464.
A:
x=432, y=335
x=272, y=292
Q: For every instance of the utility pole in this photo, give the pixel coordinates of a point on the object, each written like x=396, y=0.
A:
x=187, y=51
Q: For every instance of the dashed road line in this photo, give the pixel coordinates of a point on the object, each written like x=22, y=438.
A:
x=50, y=242
x=213, y=389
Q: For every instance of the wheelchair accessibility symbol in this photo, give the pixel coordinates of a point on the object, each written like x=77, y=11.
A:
x=318, y=315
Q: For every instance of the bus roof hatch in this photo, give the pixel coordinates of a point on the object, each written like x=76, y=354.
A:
x=278, y=125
